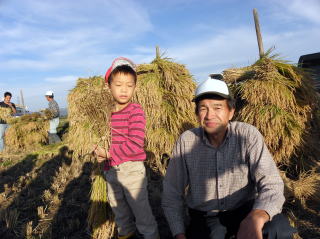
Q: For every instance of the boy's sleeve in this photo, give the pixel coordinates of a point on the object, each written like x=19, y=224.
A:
x=133, y=147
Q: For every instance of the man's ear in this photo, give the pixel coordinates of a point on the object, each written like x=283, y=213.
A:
x=231, y=114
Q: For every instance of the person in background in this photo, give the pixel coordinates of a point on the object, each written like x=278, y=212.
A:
x=6, y=103
x=224, y=173
x=54, y=121
x=125, y=172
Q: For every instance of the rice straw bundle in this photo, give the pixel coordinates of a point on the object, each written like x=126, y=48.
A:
x=89, y=112
x=164, y=89
x=5, y=113
x=100, y=217
x=90, y=106
x=280, y=100
x=26, y=132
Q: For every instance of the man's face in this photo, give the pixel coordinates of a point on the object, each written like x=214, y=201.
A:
x=7, y=99
x=214, y=115
x=48, y=98
x=122, y=88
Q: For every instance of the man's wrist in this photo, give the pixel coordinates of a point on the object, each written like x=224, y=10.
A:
x=180, y=236
x=259, y=216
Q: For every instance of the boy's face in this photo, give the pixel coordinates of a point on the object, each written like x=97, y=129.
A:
x=122, y=87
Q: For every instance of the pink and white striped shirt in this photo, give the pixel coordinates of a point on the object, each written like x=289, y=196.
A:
x=128, y=132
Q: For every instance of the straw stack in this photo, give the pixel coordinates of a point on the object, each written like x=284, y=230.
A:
x=90, y=106
x=280, y=100
x=5, y=113
x=26, y=132
x=164, y=89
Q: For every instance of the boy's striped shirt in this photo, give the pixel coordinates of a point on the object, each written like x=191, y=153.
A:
x=128, y=133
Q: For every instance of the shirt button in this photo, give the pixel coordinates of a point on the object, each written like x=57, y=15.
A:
x=220, y=185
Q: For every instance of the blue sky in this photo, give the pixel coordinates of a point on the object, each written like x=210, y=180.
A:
x=48, y=44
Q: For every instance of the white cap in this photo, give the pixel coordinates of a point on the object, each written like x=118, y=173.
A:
x=49, y=93
x=214, y=87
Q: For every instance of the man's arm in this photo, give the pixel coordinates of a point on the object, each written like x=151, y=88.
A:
x=269, y=184
x=251, y=226
x=174, y=185
x=12, y=107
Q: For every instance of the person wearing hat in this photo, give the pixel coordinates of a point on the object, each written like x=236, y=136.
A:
x=224, y=173
x=124, y=169
x=54, y=121
x=6, y=103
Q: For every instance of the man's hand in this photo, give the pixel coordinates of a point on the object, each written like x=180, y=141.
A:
x=11, y=106
x=251, y=226
x=180, y=236
x=101, y=153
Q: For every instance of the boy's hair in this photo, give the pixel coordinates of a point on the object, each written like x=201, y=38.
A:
x=7, y=94
x=124, y=69
x=230, y=101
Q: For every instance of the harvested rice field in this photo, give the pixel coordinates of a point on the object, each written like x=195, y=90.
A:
x=57, y=191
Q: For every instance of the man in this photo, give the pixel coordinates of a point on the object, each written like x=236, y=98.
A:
x=3, y=124
x=54, y=121
x=225, y=175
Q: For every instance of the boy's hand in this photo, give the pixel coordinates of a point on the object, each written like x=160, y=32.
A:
x=100, y=153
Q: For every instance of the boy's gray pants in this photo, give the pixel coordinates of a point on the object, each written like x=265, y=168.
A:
x=128, y=198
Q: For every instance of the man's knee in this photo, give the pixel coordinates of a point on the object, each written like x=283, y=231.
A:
x=278, y=228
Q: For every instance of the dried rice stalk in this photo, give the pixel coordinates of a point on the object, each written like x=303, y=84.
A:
x=26, y=132
x=100, y=216
x=278, y=99
x=164, y=89
x=90, y=107
x=306, y=187
x=5, y=113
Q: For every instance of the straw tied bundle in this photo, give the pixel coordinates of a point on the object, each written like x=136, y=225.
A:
x=26, y=132
x=279, y=99
x=164, y=89
x=5, y=114
x=90, y=106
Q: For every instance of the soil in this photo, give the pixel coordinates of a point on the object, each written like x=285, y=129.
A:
x=46, y=195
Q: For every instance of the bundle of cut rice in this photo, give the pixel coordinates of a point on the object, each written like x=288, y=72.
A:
x=164, y=89
x=5, y=114
x=280, y=100
x=26, y=132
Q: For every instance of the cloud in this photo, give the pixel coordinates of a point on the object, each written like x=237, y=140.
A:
x=305, y=9
x=61, y=79
x=48, y=35
x=217, y=52
x=295, y=11
x=53, y=42
x=238, y=47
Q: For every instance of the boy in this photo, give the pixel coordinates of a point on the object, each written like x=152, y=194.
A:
x=125, y=172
